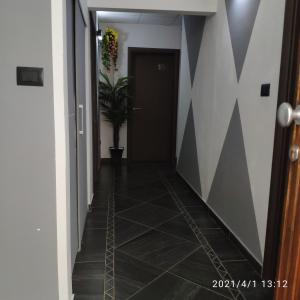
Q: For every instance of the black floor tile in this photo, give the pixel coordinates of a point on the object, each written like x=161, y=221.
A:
x=180, y=187
x=169, y=287
x=100, y=200
x=125, y=230
x=131, y=184
x=159, y=249
x=145, y=193
x=165, y=201
x=124, y=289
x=202, y=217
x=243, y=270
x=131, y=275
x=88, y=286
x=88, y=270
x=222, y=245
x=102, y=195
x=191, y=199
x=89, y=297
x=148, y=214
x=96, y=219
x=93, y=246
x=88, y=278
x=199, y=269
x=143, y=254
x=124, y=203
x=196, y=211
x=178, y=226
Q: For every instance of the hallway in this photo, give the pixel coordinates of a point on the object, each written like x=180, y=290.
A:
x=148, y=236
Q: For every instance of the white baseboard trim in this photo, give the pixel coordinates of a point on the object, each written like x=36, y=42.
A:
x=91, y=199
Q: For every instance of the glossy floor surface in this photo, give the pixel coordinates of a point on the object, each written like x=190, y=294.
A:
x=149, y=237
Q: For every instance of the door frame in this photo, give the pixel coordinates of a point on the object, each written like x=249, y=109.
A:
x=132, y=52
x=94, y=101
x=282, y=138
x=80, y=222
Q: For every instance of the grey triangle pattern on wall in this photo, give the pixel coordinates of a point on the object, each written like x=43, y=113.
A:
x=230, y=195
x=188, y=158
x=241, y=19
x=194, y=26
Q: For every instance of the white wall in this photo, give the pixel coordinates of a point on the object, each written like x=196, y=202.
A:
x=136, y=35
x=28, y=260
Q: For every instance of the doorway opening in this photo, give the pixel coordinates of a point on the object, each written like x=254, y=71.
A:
x=154, y=89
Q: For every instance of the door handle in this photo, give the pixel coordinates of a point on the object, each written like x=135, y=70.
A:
x=137, y=108
x=294, y=153
x=81, y=130
x=286, y=114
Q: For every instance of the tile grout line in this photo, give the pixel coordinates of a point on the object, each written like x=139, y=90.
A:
x=201, y=286
x=163, y=273
x=215, y=260
x=134, y=206
x=171, y=273
x=169, y=269
x=109, y=275
x=234, y=260
x=90, y=261
x=138, y=223
x=143, y=201
x=156, y=229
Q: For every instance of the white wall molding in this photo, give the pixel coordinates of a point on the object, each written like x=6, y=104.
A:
x=89, y=116
x=196, y=7
x=62, y=164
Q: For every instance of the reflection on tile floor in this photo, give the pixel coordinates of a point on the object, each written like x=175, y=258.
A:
x=156, y=254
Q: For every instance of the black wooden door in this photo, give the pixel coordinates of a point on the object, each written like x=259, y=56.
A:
x=154, y=89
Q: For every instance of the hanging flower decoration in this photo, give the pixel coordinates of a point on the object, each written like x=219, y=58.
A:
x=110, y=48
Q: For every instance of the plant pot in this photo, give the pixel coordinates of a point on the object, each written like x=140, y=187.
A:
x=116, y=155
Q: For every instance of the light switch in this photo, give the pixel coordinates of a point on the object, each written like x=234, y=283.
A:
x=30, y=76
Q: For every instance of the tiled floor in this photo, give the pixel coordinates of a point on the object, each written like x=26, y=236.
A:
x=165, y=244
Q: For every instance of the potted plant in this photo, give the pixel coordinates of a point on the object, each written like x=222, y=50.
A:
x=116, y=106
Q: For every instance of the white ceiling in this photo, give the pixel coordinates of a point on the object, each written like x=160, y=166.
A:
x=167, y=19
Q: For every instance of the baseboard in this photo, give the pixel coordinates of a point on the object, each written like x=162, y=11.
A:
x=240, y=245
x=90, y=203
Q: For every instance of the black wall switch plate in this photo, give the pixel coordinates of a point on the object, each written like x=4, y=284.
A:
x=265, y=90
x=30, y=76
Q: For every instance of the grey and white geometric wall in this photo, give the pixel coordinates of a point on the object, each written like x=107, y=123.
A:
x=261, y=65
x=213, y=94
x=188, y=159
x=241, y=19
x=230, y=195
x=236, y=50
x=185, y=90
x=194, y=26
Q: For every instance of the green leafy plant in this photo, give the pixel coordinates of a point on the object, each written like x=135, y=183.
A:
x=115, y=103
